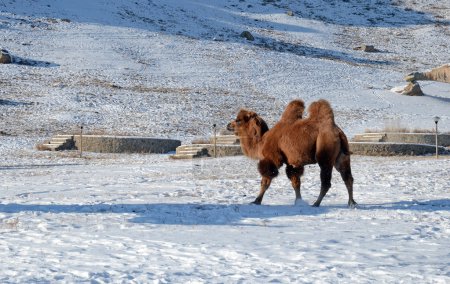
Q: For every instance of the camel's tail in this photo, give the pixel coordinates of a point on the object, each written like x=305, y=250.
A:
x=345, y=147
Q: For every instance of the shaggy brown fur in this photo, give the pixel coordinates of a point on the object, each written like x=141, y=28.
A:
x=297, y=143
x=247, y=123
x=250, y=128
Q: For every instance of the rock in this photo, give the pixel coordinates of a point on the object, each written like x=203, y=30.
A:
x=290, y=13
x=247, y=35
x=412, y=89
x=439, y=74
x=5, y=57
x=366, y=48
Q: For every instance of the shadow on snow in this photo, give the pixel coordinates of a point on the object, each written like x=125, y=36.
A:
x=215, y=214
x=413, y=205
x=176, y=214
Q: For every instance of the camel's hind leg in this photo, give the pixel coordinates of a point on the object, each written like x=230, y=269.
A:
x=343, y=167
x=294, y=174
x=325, y=179
x=268, y=171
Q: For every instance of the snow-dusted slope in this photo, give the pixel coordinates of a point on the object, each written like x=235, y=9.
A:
x=173, y=68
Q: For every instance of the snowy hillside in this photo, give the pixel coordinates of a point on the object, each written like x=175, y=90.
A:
x=174, y=68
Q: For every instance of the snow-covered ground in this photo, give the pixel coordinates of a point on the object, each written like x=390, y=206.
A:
x=172, y=69
x=137, y=218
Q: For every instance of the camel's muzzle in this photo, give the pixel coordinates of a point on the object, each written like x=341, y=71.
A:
x=231, y=126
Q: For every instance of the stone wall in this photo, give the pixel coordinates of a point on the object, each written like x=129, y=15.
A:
x=394, y=149
x=418, y=138
x=125, y=144
x=224, y=150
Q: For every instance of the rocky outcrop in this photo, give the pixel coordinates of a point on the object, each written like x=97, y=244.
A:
x=439, y=74
x=247, y=35
x=366, y=48
x=5, y=57
x=412, y=89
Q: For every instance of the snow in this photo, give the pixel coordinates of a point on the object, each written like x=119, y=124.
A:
x=172, y=69
x=136, y=218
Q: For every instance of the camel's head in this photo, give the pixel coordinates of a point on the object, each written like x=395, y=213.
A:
x=248, y=123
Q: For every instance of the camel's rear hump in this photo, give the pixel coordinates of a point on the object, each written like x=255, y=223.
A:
x=321, y=110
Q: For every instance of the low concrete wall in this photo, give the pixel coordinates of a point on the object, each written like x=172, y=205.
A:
x=394, y=149
x=125, y=144
x=418, y=138
x=224, y=150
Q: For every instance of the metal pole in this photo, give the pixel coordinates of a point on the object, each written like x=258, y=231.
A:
x=81, y=142
x=437, y=151
x=215, y=141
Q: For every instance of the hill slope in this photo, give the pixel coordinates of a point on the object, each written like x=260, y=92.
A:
x=173, y=68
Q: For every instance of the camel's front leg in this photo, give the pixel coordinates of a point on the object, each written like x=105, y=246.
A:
x=265, y=183
x=294, y=174
x=268, y=171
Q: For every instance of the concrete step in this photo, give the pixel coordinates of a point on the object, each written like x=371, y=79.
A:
x=184, y=150
x=190, y=151
x=183, y=156
x=59, y=140
x=51, y=146
x=189, y=148
x=226, y=139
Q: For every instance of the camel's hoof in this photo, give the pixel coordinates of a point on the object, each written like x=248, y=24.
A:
x=315, y=205
x=352, y=205
x=255, y=203
x=300, y=202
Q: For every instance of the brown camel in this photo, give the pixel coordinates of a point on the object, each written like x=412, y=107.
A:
x=297, y=143
x=252, y=129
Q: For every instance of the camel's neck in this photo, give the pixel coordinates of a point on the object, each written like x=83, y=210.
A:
x=252, y=146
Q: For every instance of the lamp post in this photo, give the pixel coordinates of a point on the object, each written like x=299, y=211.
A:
x=81, y=141
x=436, y=120
x=215, y=141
